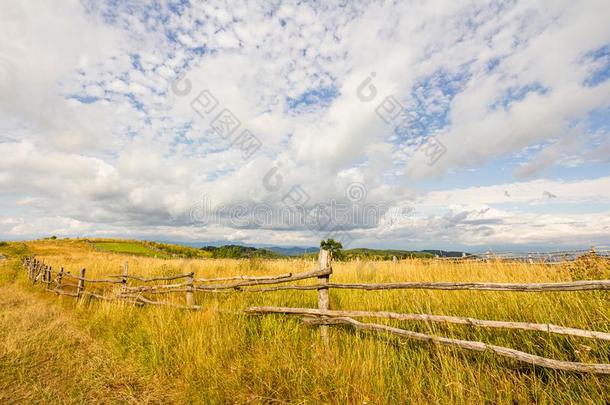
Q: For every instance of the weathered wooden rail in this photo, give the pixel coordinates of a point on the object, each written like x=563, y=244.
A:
x=540, y=327
x=470, y=345
x=324, y=316
x=584, y=285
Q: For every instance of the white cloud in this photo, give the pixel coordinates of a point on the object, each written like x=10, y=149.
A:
x=93, y=140
x=532, y=192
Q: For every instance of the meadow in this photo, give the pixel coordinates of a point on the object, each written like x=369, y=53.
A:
x=124, y=247
x=57, y=349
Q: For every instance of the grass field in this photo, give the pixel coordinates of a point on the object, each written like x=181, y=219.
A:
x=126, y=247
x=148, y=249
x=54, y=349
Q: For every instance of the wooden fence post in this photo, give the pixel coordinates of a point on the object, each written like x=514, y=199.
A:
x=60, y=275
x=81, y=283
x=31, y=269
x=189, y=290
x=124, y=279
x=37, y=271
x=43, y=274
x=324, y=259
x=49, y=277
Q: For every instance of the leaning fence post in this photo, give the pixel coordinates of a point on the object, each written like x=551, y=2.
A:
x=81, y=283
x=60, y=275
x=37, y=272
x=189, y=290
x=323, y=296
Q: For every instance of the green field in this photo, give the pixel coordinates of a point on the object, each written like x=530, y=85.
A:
x=149, y=249
x=132, y=248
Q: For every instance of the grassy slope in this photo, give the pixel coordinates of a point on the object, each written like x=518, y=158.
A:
x=207, y=357
x=126, y=247
x=46, y=356
x=147, y=249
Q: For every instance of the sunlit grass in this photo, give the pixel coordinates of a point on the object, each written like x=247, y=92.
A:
x=133, y=248
x=223, y=356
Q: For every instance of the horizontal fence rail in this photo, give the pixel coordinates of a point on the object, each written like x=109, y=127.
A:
x=294, y=277
x=151, y=279
x=245, y=278
x=324, y=316
x=585, y=285
x=470, y=345
x=541, y=327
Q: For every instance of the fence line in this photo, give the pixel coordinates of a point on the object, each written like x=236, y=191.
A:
x=147, y=280
x=540, y=327
x=582, y=285
x=247, y=278
x=324, y=317
x=470, y=345
x=90, y=280
x=552, y=258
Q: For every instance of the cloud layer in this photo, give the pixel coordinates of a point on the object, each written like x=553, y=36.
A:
x=107, y=125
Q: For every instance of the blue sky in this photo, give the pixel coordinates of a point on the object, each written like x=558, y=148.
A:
x=489, y=124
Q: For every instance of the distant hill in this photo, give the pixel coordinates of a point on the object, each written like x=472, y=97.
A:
x=282, y=250
x=219, y=249
x=238, y=252
x=384, y=254
x=378, y=254
x=444, y=253
x=293, y=251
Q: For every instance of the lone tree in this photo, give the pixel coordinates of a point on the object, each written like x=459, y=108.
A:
x=333, y=247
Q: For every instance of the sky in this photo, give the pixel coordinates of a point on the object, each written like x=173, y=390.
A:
x=405, y=124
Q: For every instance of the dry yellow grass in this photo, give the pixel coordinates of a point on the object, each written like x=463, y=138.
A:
x=206, y=357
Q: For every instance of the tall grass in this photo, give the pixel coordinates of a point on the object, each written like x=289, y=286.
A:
x=211, y=357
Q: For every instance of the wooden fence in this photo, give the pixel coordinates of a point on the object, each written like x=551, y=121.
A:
x=548, y=258
x=64, y=283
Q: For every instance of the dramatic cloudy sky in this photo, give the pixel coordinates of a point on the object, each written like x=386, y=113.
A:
x=479, y=125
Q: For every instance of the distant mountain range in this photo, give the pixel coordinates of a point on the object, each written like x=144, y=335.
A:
x=304, y=250
x=444, y=253
x=281, y=250
x=292, y=251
